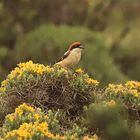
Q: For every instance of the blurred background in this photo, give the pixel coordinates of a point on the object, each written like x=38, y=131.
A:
x=42, y=30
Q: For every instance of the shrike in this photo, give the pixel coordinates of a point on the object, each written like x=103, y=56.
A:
x=72, y=56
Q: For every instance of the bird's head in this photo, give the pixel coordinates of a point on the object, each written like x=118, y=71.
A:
x=76, y=45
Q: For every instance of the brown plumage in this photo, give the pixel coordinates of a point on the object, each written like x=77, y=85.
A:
x=72, y=56
x=74, y=45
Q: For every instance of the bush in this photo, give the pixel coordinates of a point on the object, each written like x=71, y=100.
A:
x=31, y=123
x=107, y=119
x=128, y=94
x=126, y=54
x=48, y=88
x=76, y=107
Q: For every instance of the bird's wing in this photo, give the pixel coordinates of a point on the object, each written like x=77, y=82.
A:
x=66, y=54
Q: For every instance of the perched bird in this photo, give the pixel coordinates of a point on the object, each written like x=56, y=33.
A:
x=72, y=56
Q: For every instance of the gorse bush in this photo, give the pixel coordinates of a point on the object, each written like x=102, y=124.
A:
x=108, y=119
x=72, y=105
x=31, y=123
x=48, y=88
x=128, y=94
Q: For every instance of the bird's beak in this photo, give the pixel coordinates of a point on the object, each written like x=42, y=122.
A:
x=81, y=47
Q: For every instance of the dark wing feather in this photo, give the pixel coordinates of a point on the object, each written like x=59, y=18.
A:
x=66, y=54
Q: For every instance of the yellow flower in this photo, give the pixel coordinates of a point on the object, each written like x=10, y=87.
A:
x=131, y=87
x=19, y=138
x=4, y=83
x=24, y=130
x=26, y=107
x=22, y=108
x=11, y=134
x=23, y=133
x=42, y=126
x=134, y=92
x=29, y=66
x=133, y=84
x=116, y=88
x=3, y=86
x=19, y=111
x=29, y=130
x=10, y=117
x=36, y=116
x=2, y=89
x=33, y=68
x=79, y=71
x=92, y=81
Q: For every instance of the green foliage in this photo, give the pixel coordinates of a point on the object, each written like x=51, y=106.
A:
x=128, y=95
x=32, y=123
x=108, y=119
x=100, y=115
x=136, y=132
x=75, y=106
x=129, y=58
x=109, y=30
x=48, y=88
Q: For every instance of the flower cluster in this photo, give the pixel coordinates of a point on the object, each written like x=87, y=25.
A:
x=29, y=69
x=92, y=81
x=32, y=131
x=31, y=123
x=22, y=111
x=27, y=123
x=129, y=88
x=25, y=68
x=32, y=82
x=133, y=85
x=79, y=71
x=86, y=78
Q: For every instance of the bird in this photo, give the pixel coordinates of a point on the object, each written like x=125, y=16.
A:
x=72, y=56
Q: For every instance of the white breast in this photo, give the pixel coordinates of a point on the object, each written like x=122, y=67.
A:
x=73, y=58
